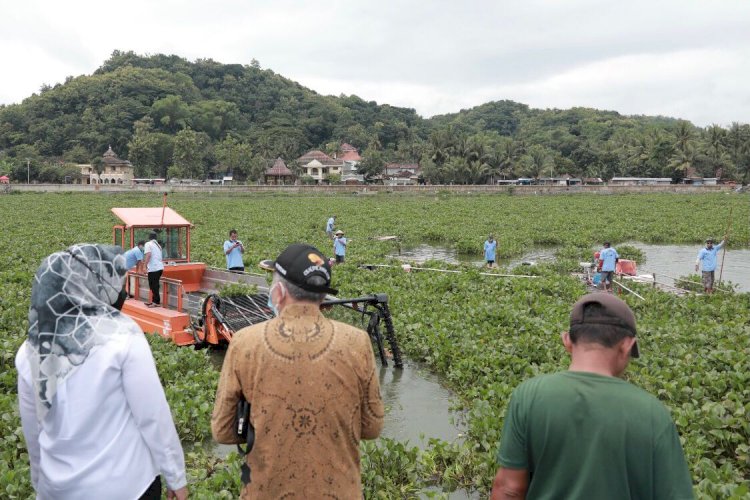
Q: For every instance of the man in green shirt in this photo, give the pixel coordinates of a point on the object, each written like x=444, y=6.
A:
x=586, y=433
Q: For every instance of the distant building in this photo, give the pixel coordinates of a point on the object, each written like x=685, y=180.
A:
x=593, y=181
x=279, y=173
x=114, y=170
x=320, y=166
x=400, y=174
x=639, y=181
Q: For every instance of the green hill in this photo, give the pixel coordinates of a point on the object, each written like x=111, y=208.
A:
x=170, y=116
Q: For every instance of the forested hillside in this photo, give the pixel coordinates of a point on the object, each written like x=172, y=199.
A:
x=175, y=118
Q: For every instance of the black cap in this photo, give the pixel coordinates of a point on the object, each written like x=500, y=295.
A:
x=616, y=313
x=300, y=262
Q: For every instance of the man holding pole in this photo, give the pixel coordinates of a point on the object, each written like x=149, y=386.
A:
x=707, y=261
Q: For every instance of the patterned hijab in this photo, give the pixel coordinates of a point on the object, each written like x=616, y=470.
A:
x=71, y=313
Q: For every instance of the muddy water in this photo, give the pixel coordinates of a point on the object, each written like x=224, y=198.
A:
x=417, y=406
x=667, y=261
x=674, y=261
x=422, y=253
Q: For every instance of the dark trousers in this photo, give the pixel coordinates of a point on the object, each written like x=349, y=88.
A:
x=153, y=284
x=153, y=492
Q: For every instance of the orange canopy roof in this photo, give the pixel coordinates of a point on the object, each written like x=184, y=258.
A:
x=150, y=217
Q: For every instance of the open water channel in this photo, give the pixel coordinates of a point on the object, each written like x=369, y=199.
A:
x=667, y=261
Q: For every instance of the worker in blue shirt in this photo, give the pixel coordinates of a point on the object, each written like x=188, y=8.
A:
x=707, y=261
x=134, y=256
x=134, y=260
x=609, y=258
x=233, y=250
x=339, y=246
x=490, y=246
x=330, y=226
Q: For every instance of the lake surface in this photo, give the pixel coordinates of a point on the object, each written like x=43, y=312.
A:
x=422, y=253
x=667, y=261
x=417, y=406
x=674, y=261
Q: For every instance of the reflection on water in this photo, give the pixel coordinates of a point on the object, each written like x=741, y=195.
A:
x=417, y=406
x=534, y=256
x=422, y=253
x=674, y=261
x=667, y=261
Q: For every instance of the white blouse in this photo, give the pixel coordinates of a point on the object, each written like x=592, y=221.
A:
x=109, y=432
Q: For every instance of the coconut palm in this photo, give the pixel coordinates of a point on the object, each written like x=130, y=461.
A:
x=683, y=135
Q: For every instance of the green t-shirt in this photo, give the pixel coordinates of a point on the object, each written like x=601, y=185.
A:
x=588, y=436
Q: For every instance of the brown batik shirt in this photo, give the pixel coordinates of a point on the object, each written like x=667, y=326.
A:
x=314, y=394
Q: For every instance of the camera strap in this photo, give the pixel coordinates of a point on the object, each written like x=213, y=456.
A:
x=245, y=468
x=245, y=429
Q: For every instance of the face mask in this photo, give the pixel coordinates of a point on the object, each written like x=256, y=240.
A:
x=270, y=303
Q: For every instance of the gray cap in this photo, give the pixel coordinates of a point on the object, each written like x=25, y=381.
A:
x=616, y=313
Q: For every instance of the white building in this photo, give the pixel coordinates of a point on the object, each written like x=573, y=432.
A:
x=114, y=170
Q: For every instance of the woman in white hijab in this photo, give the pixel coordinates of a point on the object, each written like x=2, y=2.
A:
x=94, y=414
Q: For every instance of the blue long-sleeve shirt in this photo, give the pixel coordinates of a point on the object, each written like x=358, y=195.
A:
x=707, y=258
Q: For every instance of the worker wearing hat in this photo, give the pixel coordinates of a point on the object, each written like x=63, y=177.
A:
x=585, y=432
x=311, y=384
x=339, y=246
x=707, y=262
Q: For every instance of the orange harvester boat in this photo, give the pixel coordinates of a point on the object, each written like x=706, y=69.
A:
x=192, y=312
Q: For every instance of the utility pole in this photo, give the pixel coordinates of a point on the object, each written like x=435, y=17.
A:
x=28, y=162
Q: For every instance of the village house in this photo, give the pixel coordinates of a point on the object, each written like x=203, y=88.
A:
x=401, y=174
x=320, y=166
x=114, y=170
x=639, y=181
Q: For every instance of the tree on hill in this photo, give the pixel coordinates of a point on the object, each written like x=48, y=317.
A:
x=190, y=150
x=276, y=117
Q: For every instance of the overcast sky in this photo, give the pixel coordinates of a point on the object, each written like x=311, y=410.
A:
x=681, y=58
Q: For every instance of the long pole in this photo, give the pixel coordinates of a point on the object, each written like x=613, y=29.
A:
x=451, y=271
x=627, y=289
x=163, y=208
x=28, y=169
x=726, y=237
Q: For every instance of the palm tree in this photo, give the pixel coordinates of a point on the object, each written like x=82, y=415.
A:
x=716, y=150
x=439, y=147
x=537, y=160
x=681, y=162
x=639, y=153
x=683, y=135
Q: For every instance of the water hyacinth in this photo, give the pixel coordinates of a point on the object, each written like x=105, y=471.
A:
x=482, y=335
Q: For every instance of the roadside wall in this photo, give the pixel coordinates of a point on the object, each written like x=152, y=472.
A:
x=372, y=189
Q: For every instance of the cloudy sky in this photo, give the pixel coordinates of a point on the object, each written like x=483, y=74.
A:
x=682, y=58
